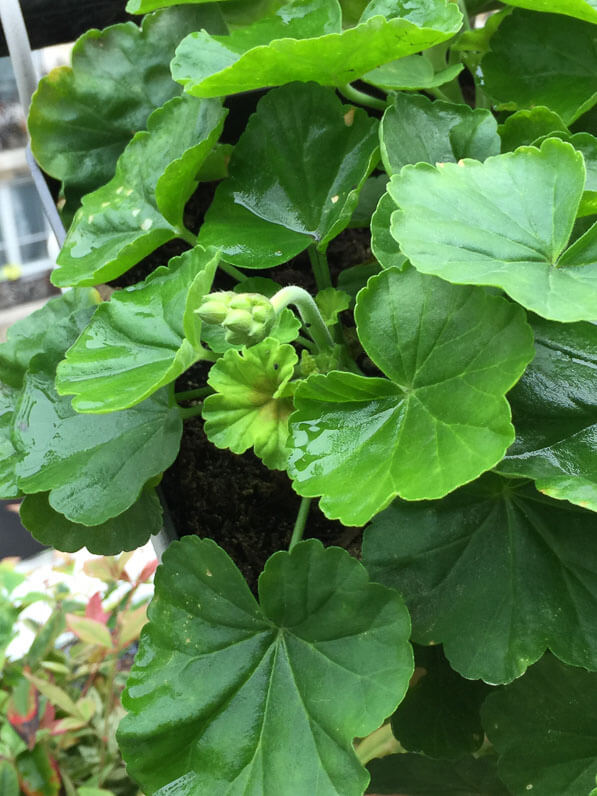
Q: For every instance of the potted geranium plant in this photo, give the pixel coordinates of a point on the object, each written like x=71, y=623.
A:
x=437, y=390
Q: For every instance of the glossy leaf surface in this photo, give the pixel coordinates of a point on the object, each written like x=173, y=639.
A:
x=299, y=165
x=497, y=572
x=416, y=130
x=438, y=421
x=505, y=222
x=383, y=245
x=81, y=118
x=581, y=9
x=144, y=6
x=543, y=59
x=94, y=466
x=141, y=207
x=249, y=408
x=439, y=716
x=416, y=775
x=136, y=342
x=303, y=40
x=525, y=127
x=411, y=72
x=128, y=531
x=8, y=478
x=555, y=414
x=265, y=719
x=543, y=727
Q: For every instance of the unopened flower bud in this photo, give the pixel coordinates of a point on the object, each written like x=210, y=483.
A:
x=247, y=317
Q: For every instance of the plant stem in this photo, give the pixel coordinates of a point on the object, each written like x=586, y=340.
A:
x=304, y=341
x=321, y=269
x=301, y=521
x=379, y=743
x=354, y=95
x=190, y=411
x=185, y=234
x=308, y=311
x=232, y=271
x=188, y=395
x=108, y=709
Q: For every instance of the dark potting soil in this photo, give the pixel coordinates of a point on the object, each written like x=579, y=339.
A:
x=247, y=509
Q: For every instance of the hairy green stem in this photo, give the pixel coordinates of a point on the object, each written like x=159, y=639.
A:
x=321, y=269
x=304, y=341
x=188, y=395
x=232, y=271
x=301, y=521
x=354, y=95
x=190, y=411
x=309, y=312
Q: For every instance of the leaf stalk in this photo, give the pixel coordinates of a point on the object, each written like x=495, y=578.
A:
x=354, y=95
x=300, y=523
x=309, y=312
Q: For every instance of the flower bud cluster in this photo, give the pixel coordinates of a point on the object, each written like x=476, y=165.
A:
x=247, y=317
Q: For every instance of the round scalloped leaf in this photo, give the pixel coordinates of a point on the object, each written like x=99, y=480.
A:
x=383, y=246
x=81, y=118
x=505, y=222
x=267, y=718
x=417, y=775
x=8, y=454
x=136, y=342
x=416, y=130
x=543, y=727
x=554, y=408
x=250, y=408
x=128, y=531
x=305, y=41
x=94, y=466
x=587, y=144
x=141, y=207
x=497, y=572
x=525, y=127
x=411, y=72
x=542, y=59
x=438, y=421
x=581, y=9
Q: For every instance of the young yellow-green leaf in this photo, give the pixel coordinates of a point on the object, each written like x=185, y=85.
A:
x=417, y=775
x=543, y=727
x=130, y=625
x=505, y=222
x=581, y=9
x=81, y=118
x=127, y=531
x=143, y=6
x=57, y=696
x=89, y=630
x=497, y=572
x=554, y=409
x=383, y=246
x=303, y=40
x=525, y=127
x=249, y=408
x=267, y=717
x=438, y=421
x=331, y=302
x=416, y=130
x=94, y=466
x=136, y=342
x=543, y=59
x=141, y=207
x=299, y=165
x=411, y=72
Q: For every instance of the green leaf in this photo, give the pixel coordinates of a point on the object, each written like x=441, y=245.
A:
x=331, y=302
x=128, y=531
x=439, y=421
x=250, y=408
x=497, y=572
x=542, y=59
x=439, y=716
x=136, y=342
x=94, y=466
x=141, y=207
x=352, y=279
x=554, y=408
x=8, y=477
x=266, y=718
x=384, y=247
x=581, y=9
x=91, y=631
x=415, y=775
x=505, y=222
x=525, y=127
x=543, y=727
x=416, y=130
x=9, y=782
x=37, y=773
x=324, y=152
x=371, y=192
x=587, y=144
x=81, y=118
x=303, y=40
x=143, y=6
x=411, y=72
x=49, y=331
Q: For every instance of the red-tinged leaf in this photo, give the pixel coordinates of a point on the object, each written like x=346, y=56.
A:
x=147, y=571
x=94, y=609
x=38, y=773
x=49, y=718
x=130, y=625
x=55, y=694
x=25, y=720
x=89, y=630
